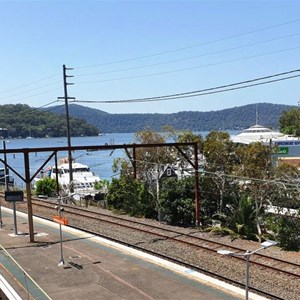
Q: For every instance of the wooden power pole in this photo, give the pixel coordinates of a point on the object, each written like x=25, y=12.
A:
x=66, y=98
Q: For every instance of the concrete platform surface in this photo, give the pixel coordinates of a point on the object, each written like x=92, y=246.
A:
x=94, y=268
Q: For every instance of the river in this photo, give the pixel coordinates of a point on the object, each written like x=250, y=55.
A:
x=100, y=162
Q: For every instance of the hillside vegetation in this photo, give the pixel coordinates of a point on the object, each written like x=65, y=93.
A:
x=227, y=119
x=23, y=121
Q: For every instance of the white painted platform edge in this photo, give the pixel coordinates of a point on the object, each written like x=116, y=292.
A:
x=7, y=289
x=205, y=279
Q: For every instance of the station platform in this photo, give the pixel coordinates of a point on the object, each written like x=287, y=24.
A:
x=94, y=268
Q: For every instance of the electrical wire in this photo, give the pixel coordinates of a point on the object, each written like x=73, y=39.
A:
x=188, y=58
x=190, y=47
x=33, y=95
x=146, y=75
x=156, y=164
x=187, y=69
x=34, y=89
x=242, y=178
x=31, y=83
x=54, y=108
x=45, y=105
x=33, y=110
x=42, y=93
x=207, y=91
x=261, y=180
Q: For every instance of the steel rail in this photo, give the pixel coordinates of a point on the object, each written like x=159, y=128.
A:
x=214, y=245
x=167, y=257
x=182, y=263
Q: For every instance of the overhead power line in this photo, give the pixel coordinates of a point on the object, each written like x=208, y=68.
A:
x=27, y=84
x=219, y=89
x=190, y=47
x=52, y=108
x=33, y=89
x=45, y=105
x=190, y=68
x=188, y=58
x=42, y=93
x=34, y=109
x=261, y=180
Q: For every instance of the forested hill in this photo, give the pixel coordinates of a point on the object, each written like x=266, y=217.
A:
x=226, y=119
x=21, y=121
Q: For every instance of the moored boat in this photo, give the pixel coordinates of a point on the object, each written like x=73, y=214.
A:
x=258, y=133
x=83, y=183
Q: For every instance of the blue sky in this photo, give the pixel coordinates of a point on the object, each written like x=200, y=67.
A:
x=139, y=49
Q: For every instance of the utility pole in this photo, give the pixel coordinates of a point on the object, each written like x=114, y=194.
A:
x=66, y=98
x=196, y=163
x=6, y=182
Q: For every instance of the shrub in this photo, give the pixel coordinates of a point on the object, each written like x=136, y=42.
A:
x=240, y=218
x=288, y=234
x=129, y=195
x=178, y=201
x=46, y=187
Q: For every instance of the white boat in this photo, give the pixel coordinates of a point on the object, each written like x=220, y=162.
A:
x=83, y=183
x=258, y=133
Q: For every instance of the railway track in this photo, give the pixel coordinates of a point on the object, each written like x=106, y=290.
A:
x=156, y=234
x=164, y=241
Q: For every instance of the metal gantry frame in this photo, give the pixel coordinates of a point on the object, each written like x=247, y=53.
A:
x=54, y=150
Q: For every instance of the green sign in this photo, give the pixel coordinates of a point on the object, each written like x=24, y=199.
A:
x=283, y=150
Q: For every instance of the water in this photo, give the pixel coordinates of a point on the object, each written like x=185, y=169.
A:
x=100, y=162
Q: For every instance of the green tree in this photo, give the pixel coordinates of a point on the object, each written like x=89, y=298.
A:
x=178, y=201
x=22, y=121
x=188, y=136
x=46, y=186
x=289, y=122
x=129, y=195
x=153, y=157
x=210, y=195
x=147, y=159
x=286, y=187
x=150, y=161
x=102, y=185
x=287, y=232
x=219, y=152
x=256, y=168
x=221, y=158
